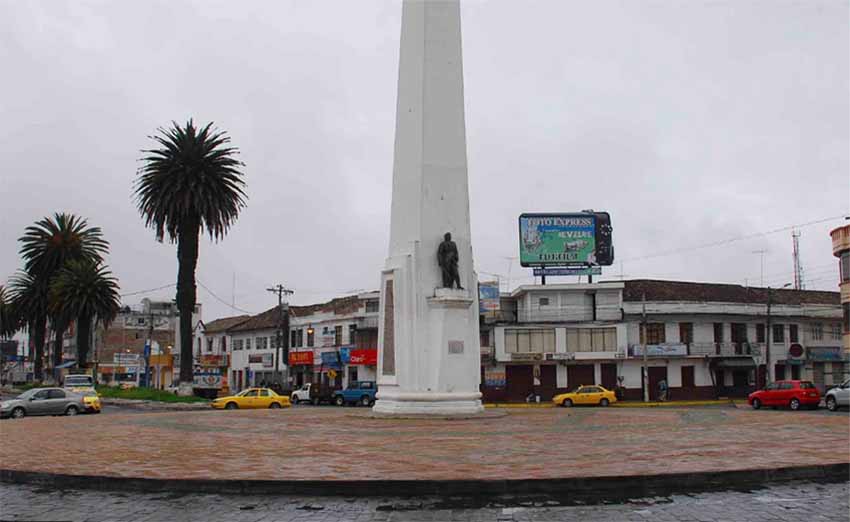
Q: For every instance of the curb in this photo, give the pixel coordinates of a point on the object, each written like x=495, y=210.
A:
x=612, y=487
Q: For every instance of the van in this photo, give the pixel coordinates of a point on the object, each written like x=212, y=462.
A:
x=78, y=383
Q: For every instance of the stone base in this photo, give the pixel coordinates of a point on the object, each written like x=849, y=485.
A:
x=185, y=389
x=437, y=404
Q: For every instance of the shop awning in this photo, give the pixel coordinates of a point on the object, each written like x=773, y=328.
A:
x=66, y=365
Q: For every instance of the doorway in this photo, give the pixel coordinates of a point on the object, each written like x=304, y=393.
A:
x=520, y=381
x=580, y=374
x=656, y=374
x=609, y=376
x=547, y=382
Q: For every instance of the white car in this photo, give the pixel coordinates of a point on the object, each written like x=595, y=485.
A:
x=838, y=396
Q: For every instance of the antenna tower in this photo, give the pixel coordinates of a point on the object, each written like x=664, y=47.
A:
x=798, y=267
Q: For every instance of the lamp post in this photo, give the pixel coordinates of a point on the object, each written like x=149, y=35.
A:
x=767, y=334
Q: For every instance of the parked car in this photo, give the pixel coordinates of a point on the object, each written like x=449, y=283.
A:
x=361, y=392
x=838, y=396
x=252, y=398
x=588, y=395
x=43, y=401
x=794, y=394
x=314, y=393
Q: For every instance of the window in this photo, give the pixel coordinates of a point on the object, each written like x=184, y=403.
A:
x=248, y=343
x=224, y=343
x=543, y=301
x=835, y=331
x=40, y=395
x=273, y=342
x=250, y=393
x=760, y=333
x=652, y=333
x=264, y=393
x=806, y=385
x=530, y=341
x=209, y=344
x=292, y=338
x=371, y=306
x=739, y=332
x=338, y=335
x=591, y=339
x=793, y=334
x=299, y=337
x=237, y=344
x=352, y=333
x=845, y=309
x=262, y=343
x=484, y=336
x=817, y=331
x=55, y=394
x=844, y=266
x=785, y=386
x=310, y=336
x=718, y=332
x=778, y=333
x=686, y=333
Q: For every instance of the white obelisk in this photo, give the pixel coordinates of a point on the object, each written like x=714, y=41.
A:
x=429, y=355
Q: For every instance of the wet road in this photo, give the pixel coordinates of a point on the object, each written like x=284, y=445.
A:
x=786, y=502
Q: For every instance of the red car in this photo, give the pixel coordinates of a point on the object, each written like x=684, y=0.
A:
x=786, y=393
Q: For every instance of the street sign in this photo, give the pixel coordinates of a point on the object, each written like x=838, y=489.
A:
x=568, y=271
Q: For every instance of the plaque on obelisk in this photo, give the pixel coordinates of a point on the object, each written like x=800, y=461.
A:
x=429, y=355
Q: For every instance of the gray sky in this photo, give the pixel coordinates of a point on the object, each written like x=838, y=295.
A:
x=690, y=122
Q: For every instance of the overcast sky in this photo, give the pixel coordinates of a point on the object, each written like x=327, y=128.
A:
x=690, y=122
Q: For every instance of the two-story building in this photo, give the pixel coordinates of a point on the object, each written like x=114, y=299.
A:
x=705, y=340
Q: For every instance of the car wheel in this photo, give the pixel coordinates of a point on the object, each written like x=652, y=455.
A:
x=365, y=400
x=339, y=401
x=274, y=405
x=795, y=404
x=756, y=404
x=604, y=402
x=231, y=406
x=18, y=413
x=567, y=403
x=831, y=404
x=71, y=410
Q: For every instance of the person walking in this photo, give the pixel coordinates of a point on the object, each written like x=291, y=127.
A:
x=662, y=390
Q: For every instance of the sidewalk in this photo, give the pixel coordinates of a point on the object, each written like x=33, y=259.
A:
x=628, y=404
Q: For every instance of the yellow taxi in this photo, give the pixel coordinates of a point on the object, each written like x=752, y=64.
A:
x=91, y=400
x=251, y=398
x=586, y=394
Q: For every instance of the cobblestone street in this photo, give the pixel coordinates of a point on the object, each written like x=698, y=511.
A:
x=812, y=502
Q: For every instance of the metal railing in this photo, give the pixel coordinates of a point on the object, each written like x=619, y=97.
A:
x=729, y=349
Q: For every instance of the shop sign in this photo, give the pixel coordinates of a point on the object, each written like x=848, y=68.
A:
x=526, y=356
x=266, y=359
x=795, y=351
x=125, y=359
x=214, y=360
x=488, y=296
x=827, y=353
x=330, y=360
x=495, y=379
x=301, y=358
x=210, y=378
x=364, y=356
x=560, y=356
x=659, y=350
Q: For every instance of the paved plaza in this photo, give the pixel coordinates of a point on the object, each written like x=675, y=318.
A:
x=347, y=444
x=810, y=502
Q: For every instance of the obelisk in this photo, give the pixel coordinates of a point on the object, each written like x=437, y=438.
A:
x=428, y=340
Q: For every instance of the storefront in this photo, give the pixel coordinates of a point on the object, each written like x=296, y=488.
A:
x=300, y=367
x=829, y=365
x=360, y=363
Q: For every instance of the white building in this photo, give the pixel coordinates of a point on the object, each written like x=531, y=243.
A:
x=706, y=340
x=333, y=342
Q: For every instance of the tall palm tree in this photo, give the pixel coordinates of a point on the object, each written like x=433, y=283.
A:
x=50, y=243
x=85, y=292
x=191, y=182
x=29, y=302
x=9, y=322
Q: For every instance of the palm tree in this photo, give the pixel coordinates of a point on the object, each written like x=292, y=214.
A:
x=192, y=182
x=29, y=302
x=50, y=243
x=8, y=317
x=85, y=292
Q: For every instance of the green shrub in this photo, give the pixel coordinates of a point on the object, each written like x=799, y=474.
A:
x=147, y=394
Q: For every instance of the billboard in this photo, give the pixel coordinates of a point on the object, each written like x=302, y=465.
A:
x=488, y=296
x=582, y=238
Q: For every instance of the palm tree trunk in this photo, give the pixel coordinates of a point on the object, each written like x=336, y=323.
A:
x=37, y=332
x=58, y=330
x=83, y=340
x=187, y=260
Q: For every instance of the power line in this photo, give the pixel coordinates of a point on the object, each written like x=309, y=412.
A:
x=732, y=239
x=149, y=290
x=222, y=301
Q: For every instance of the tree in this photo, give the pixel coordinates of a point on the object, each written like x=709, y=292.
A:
x=48, y=245
x=87, y=293
x=192, y=182
x=29, y=302
x=9, y=322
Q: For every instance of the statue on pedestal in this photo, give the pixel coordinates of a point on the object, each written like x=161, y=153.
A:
x=447, y=258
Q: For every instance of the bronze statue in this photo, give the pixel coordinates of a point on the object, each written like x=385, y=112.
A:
x=447, y=258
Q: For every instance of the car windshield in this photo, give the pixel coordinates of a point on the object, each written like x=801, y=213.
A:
x=805, y=385
x=27, y=394
x=80, y=380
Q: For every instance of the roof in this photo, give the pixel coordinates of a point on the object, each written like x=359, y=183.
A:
x=657, y=290
x=269, y=318
x=225, y=323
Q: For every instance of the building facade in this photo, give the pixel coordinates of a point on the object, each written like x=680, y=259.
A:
x=841, y=250
x=704, y=340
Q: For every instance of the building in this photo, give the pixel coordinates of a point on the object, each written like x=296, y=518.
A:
x=706, y=340
x=334, y=342
x=212, y=350
x=841, y=250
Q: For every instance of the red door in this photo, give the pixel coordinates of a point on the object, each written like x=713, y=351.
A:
x=580, y=374
x=609, y=376
x=520, y=381
x=547, y=382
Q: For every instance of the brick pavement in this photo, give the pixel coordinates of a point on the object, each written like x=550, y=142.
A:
x=810, y=502
x=347, y=444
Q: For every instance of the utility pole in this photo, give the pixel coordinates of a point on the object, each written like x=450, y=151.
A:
x=282, y=322
x=643, y=348
x=147, y=352
x=762, y=252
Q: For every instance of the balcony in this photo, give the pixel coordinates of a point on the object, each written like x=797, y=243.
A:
x=365, y=323
x=840, y=239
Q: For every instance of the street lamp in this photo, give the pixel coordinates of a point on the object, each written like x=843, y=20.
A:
x=768, y=332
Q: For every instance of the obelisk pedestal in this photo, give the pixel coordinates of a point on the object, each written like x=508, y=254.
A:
x=428, y=340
